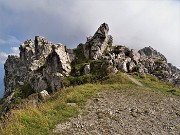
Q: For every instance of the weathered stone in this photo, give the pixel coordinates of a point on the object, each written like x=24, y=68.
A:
x=122, y=50
x=95, y=46
x=38, y=82
x=15, y=71
x=135, y=56
x=150, y=52
x=39, y=60
x=43, y=95
x=122, y=66
x=71, y=54
x=131, y=65
x=87, y=69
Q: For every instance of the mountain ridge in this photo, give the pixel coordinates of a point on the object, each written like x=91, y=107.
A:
x=44, y=66
x=40, y=61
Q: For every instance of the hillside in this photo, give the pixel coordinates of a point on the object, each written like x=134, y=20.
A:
x=96, y=88
x=115, y=106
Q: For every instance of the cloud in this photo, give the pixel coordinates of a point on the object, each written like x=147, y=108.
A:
x=15, y=50
x=3, y=57
x=135, y=24
x=7, y=46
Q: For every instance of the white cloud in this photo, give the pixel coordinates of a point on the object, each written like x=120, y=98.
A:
x=15, y=50
x=136, y=23
x=3, y=57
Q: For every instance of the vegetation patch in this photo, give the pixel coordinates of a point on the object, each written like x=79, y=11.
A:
x=21, y=93
x=72, y=81
x=99, y=67
x=154, y=84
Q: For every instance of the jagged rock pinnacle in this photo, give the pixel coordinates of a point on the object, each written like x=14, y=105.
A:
x=95, y=45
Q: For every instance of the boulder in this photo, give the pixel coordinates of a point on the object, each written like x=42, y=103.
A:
x=131, y=66
x=121, y=50
x=122, y=66
x=43, y=94
x=87, y=69
x=135, y=56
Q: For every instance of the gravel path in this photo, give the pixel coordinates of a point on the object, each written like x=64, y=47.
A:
x=135, y=81
x=126, y=112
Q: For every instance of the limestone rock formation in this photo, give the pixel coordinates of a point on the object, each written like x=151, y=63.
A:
x=43, y=64
x=95, y=45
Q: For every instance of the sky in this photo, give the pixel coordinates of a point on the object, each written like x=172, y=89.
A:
x=133, y=23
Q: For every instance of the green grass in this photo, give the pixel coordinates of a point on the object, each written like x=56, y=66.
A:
x=41, y=120
x=152, y=83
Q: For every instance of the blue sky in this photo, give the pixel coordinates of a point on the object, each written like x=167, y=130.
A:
x=134, y=23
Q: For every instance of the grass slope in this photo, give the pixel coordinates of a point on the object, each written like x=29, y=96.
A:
x=41, y=120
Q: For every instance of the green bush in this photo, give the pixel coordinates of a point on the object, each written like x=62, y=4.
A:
x=99, y=68
x=20, y=93
x=135, y=69
x=78, y=80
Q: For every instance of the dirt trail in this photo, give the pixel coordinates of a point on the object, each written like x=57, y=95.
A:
x=135, y=81
x=126, y=112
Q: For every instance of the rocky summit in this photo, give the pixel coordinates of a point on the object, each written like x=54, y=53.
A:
x=116, y=90
x=43, y=65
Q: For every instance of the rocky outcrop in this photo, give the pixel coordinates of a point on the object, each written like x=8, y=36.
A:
x=15, y=73
x=95, y=45
x=43, y=64
x=155, y=63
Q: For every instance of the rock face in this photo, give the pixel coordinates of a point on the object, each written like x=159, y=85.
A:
x=43, y=64
x=95, y=45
